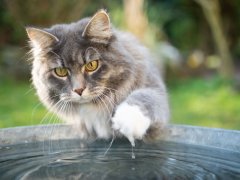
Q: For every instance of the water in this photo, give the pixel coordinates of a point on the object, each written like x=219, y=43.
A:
x=74, y=159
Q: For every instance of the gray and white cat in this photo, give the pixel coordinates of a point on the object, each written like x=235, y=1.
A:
x=99, y=79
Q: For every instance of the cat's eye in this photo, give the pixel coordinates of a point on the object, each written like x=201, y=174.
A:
x=91, y=66
x=61, y=71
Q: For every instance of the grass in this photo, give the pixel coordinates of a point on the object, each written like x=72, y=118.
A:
x=18, y=104
x=205, y=102
x=200, y=102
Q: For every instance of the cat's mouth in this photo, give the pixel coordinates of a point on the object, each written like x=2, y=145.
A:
x=95, y=95
x=75, y=98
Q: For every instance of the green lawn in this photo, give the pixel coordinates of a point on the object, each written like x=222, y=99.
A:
x=205, y=102
x=200, y=102
x=19, y=105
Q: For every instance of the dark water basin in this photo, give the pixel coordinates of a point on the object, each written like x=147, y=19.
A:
x=57, y=153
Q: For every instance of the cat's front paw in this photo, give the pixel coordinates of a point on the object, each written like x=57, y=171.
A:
x=130, y=121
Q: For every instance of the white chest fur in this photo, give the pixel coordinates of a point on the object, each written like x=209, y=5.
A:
x=93, y=118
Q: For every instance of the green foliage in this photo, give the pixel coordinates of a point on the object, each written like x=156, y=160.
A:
x=178, y=20
x=15, y=15
x=205, y=102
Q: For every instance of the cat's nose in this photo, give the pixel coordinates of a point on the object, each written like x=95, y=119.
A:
x=79, y=91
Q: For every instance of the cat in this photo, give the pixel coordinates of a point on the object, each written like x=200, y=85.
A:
x=99, y=79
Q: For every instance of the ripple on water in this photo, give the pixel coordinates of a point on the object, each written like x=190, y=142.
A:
x=73, y=160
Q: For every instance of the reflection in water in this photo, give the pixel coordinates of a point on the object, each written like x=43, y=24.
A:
x=72, y=159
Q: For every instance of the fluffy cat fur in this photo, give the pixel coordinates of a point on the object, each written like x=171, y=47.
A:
x=125, y=95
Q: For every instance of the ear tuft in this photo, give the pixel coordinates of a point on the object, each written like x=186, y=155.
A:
x=98, y=28
x=40, y=38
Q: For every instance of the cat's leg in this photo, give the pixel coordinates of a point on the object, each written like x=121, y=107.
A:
x=144, y=111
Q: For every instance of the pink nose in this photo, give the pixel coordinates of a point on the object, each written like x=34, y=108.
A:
x=79, y=91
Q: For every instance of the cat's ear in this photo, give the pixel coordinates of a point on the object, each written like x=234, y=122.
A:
x=99, y=28
x=40, y=38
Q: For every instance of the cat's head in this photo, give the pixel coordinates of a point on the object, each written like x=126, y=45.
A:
x=81, y=62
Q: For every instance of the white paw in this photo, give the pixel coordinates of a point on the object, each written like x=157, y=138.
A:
x=130, y=121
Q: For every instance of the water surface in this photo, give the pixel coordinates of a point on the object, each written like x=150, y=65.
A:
x=74, y=159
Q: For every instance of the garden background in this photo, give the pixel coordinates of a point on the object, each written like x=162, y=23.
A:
x=196, y=44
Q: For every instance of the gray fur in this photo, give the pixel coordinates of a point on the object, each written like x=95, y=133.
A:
x=126, y=74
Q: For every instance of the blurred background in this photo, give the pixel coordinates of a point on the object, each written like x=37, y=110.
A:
x=196, y=44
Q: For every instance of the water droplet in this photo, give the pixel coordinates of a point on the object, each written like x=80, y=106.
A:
x=133, y=155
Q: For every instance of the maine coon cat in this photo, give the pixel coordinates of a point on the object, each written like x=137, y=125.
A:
x=99, y=79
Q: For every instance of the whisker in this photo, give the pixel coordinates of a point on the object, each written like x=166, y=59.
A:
x=54, y=124
x=109, y=98
x=28, y=91
x=57, y=105
x=36, y=106
x=61, y=105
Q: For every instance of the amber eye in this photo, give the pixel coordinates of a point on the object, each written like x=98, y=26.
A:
x=91, y=66
x=61, y=71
